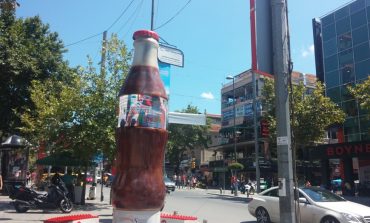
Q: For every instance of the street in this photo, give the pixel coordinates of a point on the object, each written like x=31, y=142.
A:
x=205, y=204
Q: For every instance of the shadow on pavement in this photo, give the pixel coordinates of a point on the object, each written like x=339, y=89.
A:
x=248, y=222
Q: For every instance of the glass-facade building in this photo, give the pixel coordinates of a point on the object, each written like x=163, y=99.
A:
x=342, y=54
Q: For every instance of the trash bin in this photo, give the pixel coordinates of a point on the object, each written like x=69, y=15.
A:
x=81, y=218
x=78, y=194
x=92, y=192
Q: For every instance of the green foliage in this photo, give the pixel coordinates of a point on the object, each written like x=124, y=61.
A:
x=183, y=138
x=80, y=115
x=312, y=113
x=362, y=93
x=236, y=166
x=28, y=51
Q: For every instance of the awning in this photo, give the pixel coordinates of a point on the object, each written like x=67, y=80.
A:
x=62, y=159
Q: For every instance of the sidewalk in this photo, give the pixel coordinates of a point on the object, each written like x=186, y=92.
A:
x=93, y=207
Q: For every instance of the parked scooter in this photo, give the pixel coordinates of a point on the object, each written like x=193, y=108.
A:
x=26, y=198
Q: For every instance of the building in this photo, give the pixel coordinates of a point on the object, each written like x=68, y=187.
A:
x=342, y=54
x=244, y=127
x=202, y=155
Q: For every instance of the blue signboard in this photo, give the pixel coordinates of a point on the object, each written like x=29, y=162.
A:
x=164, y=72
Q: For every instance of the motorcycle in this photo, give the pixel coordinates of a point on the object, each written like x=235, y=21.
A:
x=26, y=198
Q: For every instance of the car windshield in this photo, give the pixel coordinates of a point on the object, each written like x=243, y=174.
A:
x=321, y=195
x=166, y=179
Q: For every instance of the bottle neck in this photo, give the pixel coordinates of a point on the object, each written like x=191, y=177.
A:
x=146, y=52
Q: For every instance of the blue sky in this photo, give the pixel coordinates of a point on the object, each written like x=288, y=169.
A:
x=213, y=34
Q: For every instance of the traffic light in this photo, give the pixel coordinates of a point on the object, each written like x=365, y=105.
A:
x=193, y=163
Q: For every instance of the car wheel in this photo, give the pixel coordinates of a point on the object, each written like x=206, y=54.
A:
x=329, y=220
x=262, y=215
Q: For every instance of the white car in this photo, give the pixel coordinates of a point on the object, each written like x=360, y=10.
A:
x=315, y=205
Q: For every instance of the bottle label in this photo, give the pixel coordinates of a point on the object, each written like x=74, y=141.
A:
x=137, y=110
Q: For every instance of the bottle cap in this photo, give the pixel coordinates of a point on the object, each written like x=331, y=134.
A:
x=145, y=33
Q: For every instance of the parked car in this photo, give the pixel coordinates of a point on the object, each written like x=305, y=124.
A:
x=170, y=185
x=315, y=205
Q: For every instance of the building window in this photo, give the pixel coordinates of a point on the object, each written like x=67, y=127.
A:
x=344, y=41
x=351, y=126
x=334, y=94
x=362, y=70
x=329, y=19
x=358, y=19
x=345, y=58
x=341, y=13
x=346, y=95
x=365, y=124
x=330, y=47
x=350, y=108
x=368, y=14
x=347, y=74
x=352, y=138
x=331, y=63
x=357, y=5
x=328, y=32
x=332, y=79
x=362, y=52
x=360, y=35
x=343, y=25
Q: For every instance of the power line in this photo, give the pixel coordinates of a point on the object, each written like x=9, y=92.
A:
x=137, y=9
x=177, y=13
x=82, y=40
x=135, y=18
x=92, y=36
x=119, y=17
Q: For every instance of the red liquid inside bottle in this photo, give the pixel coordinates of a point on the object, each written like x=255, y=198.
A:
x=141, y=133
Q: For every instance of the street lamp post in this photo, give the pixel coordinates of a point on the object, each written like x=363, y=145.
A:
x=234, y=132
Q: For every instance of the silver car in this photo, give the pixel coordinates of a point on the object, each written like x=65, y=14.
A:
x=315, y=205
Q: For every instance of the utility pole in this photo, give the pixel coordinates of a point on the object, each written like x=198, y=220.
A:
x=102, y=72
x=256, y=147
x=152, y=17
x=281, y=62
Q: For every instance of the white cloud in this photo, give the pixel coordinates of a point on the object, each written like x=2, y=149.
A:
x=312, y=48
x=307, y=51
x=207, y=95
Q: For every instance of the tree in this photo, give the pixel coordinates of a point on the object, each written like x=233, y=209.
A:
x=362, y=93
x=311, y=114
x=80, y=115
x=184, y=138
x=28, y=51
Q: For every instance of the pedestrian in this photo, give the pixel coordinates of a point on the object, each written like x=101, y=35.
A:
x=307, y=184
x=69, y=181
x=183, y=180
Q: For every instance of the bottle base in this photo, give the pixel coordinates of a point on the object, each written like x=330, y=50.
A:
x=123, y=216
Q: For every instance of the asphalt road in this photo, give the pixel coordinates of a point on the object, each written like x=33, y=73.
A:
x=210, y=207
x=204, y=204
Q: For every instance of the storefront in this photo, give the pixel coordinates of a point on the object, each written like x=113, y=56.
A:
x=344, y=162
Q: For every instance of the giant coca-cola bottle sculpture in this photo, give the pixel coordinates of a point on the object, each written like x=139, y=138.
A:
x=138, y=188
